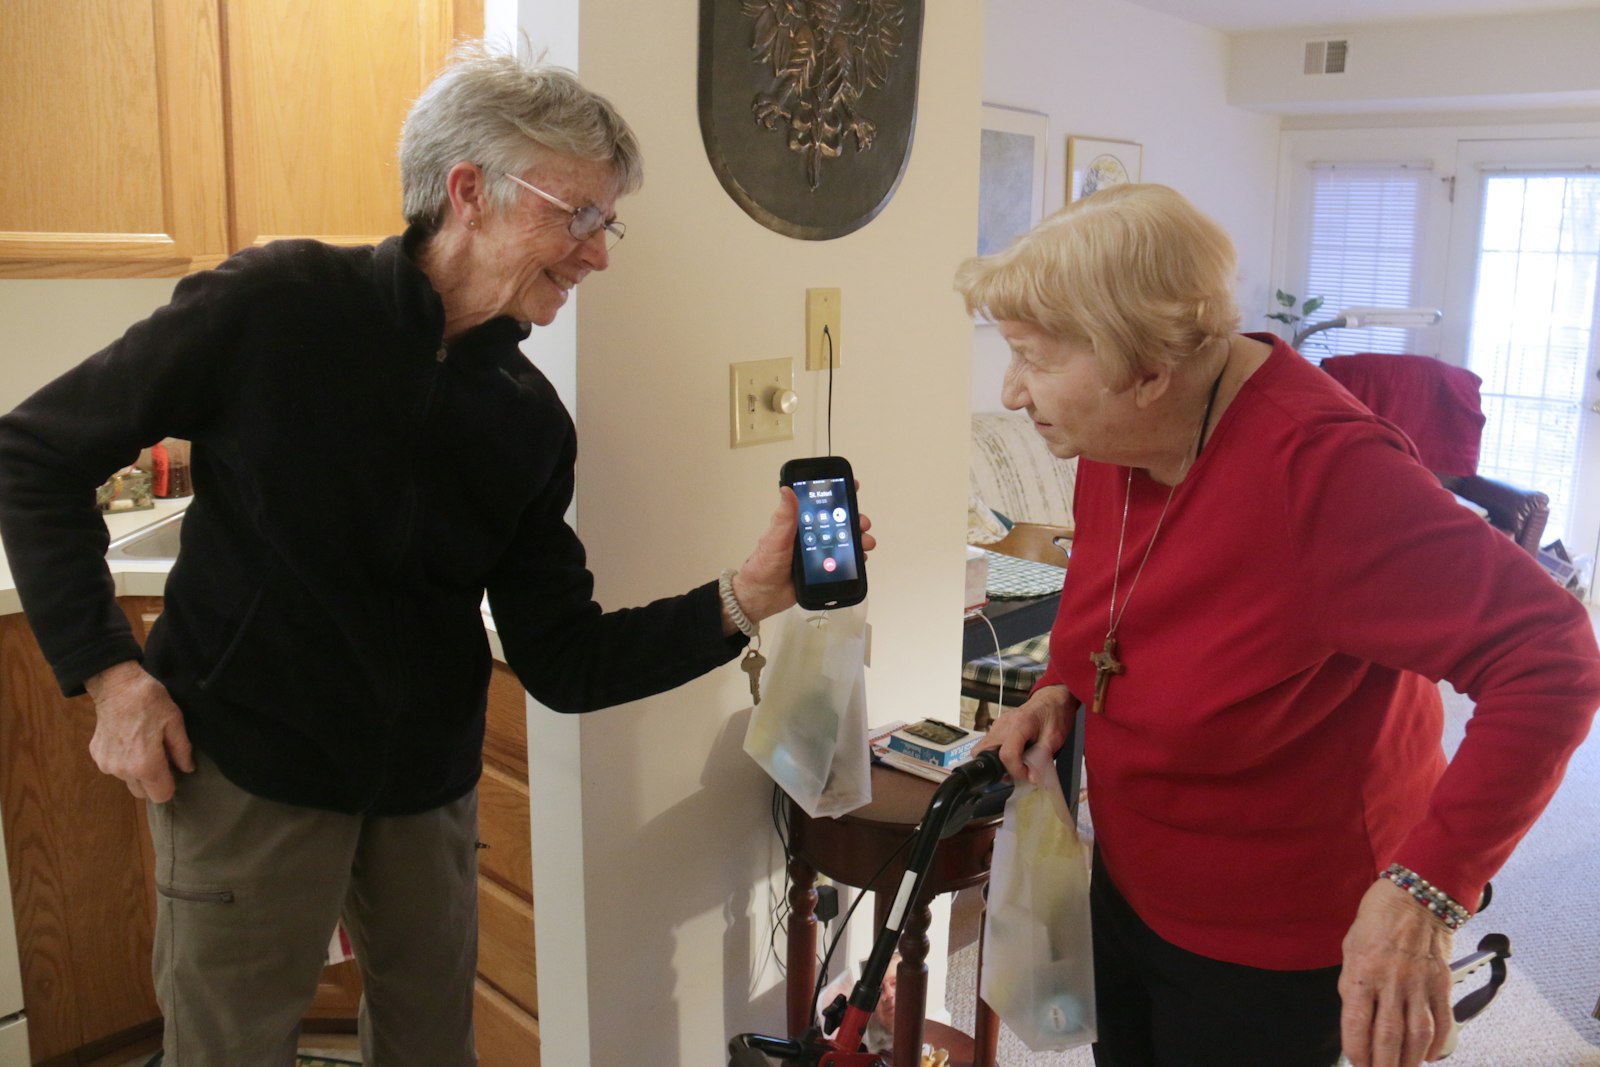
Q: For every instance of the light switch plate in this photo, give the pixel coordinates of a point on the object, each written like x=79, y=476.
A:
x=753, y=390
x=822, y=309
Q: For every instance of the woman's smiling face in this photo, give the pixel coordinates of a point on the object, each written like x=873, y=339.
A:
x=531, y=247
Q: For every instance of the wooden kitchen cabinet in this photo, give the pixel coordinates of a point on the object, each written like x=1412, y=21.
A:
x=82, y=873
x=82, y=868
x=112, y=111
x=152, y=138
x=80, y=858
x=506, y=1005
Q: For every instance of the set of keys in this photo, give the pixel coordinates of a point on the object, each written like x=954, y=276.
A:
x=751, y=664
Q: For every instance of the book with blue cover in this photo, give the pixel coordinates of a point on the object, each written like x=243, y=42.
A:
x=934, y=742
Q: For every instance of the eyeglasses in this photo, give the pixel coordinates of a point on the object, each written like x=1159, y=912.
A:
x=585, y=221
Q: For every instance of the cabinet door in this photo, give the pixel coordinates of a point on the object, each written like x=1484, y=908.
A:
x=506, y=1002
x=79, y=859
x=316, y=96
x=112, y=111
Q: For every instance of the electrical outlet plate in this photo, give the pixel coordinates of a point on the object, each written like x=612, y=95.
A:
x=753, y=388
x=822, y=309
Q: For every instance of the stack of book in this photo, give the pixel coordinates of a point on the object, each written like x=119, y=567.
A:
x=928, y=748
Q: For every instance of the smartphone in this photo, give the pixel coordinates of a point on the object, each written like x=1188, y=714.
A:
x=830, y=567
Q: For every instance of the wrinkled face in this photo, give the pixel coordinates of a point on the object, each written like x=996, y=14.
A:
x=530, y=248
x=1058, y=383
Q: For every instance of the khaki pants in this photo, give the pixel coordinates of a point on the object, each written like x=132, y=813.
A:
x=248, y=892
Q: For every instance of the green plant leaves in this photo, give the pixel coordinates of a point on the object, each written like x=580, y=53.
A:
x=1288, y=300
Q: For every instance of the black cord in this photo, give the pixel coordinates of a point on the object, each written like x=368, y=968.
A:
x=829, y=335
x=780, y=913
x=822, y=973
x=780, y=822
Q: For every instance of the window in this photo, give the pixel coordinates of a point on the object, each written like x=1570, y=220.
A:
x=1532, y=332
x=1366, y=223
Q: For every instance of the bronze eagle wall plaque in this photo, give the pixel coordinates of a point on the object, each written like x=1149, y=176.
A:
x=807, y=107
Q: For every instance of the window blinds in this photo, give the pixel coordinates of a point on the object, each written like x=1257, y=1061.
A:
x=1365, y=235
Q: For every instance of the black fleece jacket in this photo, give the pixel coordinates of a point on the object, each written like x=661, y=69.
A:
x=358, y=486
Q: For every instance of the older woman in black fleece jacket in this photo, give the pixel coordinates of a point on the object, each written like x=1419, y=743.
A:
x=372, y=452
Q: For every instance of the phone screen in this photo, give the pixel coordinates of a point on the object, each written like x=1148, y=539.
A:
x=827, y=531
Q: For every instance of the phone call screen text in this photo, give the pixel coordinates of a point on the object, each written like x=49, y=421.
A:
x=827, y=537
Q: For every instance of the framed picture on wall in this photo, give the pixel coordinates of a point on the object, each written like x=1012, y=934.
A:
x=1010, y=175
x=1096, y=162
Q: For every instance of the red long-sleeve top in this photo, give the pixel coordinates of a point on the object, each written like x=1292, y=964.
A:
x=1275, y=740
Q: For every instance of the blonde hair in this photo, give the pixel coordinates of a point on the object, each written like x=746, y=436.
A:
x=504, y=113
x=1133, y=271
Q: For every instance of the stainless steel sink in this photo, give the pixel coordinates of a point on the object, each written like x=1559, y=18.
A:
x=155, y=542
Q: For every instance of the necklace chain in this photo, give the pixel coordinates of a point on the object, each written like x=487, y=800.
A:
x=1105, y=661
x=1113, y=616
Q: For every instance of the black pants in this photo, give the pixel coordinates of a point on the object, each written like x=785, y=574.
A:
x=1161, y=1006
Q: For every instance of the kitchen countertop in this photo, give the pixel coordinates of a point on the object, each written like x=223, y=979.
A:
x=132, y=577
x=149, y=577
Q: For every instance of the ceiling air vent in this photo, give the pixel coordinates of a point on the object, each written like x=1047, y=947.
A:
x=1326, y=57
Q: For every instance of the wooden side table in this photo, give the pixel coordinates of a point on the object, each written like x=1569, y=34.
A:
x=850, y=849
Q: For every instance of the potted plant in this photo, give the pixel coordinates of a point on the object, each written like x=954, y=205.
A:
x=1287, y=314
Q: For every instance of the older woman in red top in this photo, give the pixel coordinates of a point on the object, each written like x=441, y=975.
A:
x=1265, y=588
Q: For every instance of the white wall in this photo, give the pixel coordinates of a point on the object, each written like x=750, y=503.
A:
x=1542, y=59
x=49, y=327
x=678, y=846
x=1106, y=68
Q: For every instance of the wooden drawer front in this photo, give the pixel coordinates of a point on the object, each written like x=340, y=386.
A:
x=506, y=955
x=507, y=1035
x=503, y=825
x=507, y=740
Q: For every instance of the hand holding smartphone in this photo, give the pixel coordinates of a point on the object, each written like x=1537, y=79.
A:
x=830, y=566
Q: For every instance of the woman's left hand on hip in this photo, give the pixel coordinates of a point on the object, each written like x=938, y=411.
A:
x=1395, y=983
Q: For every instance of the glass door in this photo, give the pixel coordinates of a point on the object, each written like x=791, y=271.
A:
x=1526, y=226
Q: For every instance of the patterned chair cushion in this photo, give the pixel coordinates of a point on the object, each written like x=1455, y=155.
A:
x=1018, y=666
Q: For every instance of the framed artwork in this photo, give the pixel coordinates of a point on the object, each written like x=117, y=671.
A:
x=1096, y=162
x=1010, y=175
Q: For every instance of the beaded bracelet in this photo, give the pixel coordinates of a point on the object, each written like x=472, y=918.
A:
x=1443, y=906
x=735, y=612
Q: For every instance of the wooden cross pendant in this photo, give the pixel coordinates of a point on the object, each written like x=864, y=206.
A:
x=1106, y=664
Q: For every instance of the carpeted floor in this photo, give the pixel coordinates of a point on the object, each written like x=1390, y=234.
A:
x=1543, y=900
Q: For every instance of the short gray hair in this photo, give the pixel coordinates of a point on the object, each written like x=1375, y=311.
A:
x=502, y=112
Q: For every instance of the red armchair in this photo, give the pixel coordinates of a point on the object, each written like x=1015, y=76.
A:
x=1437, y=405
x=1521, y=513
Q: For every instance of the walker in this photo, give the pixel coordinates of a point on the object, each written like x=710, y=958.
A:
x=976, y=787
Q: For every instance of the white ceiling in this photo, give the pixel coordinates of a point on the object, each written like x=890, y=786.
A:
x=1239, y=16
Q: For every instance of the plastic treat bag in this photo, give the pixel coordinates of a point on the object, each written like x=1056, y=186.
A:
x=809, y=732
x=1038, y=966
